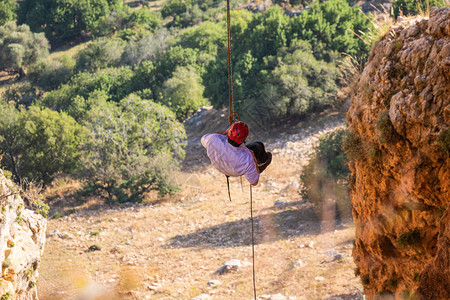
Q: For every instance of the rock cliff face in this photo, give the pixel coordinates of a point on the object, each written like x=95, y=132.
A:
x=399, y=121
x=22, y=238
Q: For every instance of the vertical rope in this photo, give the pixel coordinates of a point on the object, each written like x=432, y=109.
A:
x=253, y=242
x=230, y=69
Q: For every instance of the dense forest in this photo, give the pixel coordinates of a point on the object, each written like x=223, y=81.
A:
x=111, y=111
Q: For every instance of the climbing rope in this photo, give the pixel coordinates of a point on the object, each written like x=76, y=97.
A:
x=253, y=242
x=232, y=112
x=231, y=120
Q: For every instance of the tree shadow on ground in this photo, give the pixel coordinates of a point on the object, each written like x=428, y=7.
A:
x=268, y=228
x=354, y=296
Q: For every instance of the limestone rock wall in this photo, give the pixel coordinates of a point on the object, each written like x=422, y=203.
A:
x=399, y=121
x=22, y=239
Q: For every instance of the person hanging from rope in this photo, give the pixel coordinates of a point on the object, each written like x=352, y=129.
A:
x=231, y=156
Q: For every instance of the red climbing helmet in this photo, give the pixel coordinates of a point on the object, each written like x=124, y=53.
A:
x=238, y=132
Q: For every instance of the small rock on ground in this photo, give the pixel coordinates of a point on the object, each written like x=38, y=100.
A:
x=231, y=265
x=202, y=297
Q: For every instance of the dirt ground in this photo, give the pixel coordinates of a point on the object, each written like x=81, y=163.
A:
x=172, y=248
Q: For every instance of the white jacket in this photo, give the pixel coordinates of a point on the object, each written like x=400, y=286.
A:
x=230, y=160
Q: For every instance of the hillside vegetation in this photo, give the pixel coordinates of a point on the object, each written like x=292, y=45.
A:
x=110, y=112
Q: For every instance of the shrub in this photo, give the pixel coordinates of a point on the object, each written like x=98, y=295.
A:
x=20, y=47
x=38, y=143
x=387, y=132
x=64, y=19
x=100, y=54
x=8, y=11
x=413, y=7
x=183, y=93
x=325, y=175
x=132, y=149
x=148, y=47
x=95, y=247
x=353, y=146
x=444, y=140
x=329, y=27
x=409, y=239
x=21, y=94
x=50, y=74
x=70, y=97
x=299, y=84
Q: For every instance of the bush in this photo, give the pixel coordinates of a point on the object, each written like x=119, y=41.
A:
x=50, y=74
x=8, y=11
x=64, y=19
x=183, y=93
x=328, y=26
x=148, y=47
x=21, y=94
x=20, y=47
x=299, y=84
x=444, y=140
x=386, y=130
x=354, y=147
x=133, y=148
x=113, y=82
x=413, y=7
x=38, y=143
x=324, y=177
x=100, y=54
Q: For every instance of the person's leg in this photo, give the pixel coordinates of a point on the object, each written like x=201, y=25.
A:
x=262, y=157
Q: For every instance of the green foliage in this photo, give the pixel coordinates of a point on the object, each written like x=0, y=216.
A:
x=325, y=175
x=299, y=84
x=409, y=239
x=50, y=74
x=148, y=47
x=150, y=19
x=413, y=7
x=365, y=279
x=6, y=263
x=63, y=19
x=8, y=11
x=328, y=26
x=21, y=94
x=131, y=24
x=444, y=140
x=95, y=247
x=5, y=296
x=38, y=143
x=208, y=37
x=20, y=47
x=132, y=149
x=85, y=89
x=173, y=58
x=183, y=92
x=388, y=134
x=103, y=53
x=353, y=146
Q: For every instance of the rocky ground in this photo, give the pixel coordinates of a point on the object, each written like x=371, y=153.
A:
x=197, y=245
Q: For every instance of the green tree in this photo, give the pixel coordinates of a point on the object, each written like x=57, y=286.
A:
x=49, y=74
x=183, y=92
x=330, y=26
x=149, y=47
x=325, y=177
x=20, y=47
x=132, y=149
x=299, y=84
x=8, y=11
x=413, y=7
x=38, y=143
x=114, y=82
x=100, y=54
x=62, y=19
